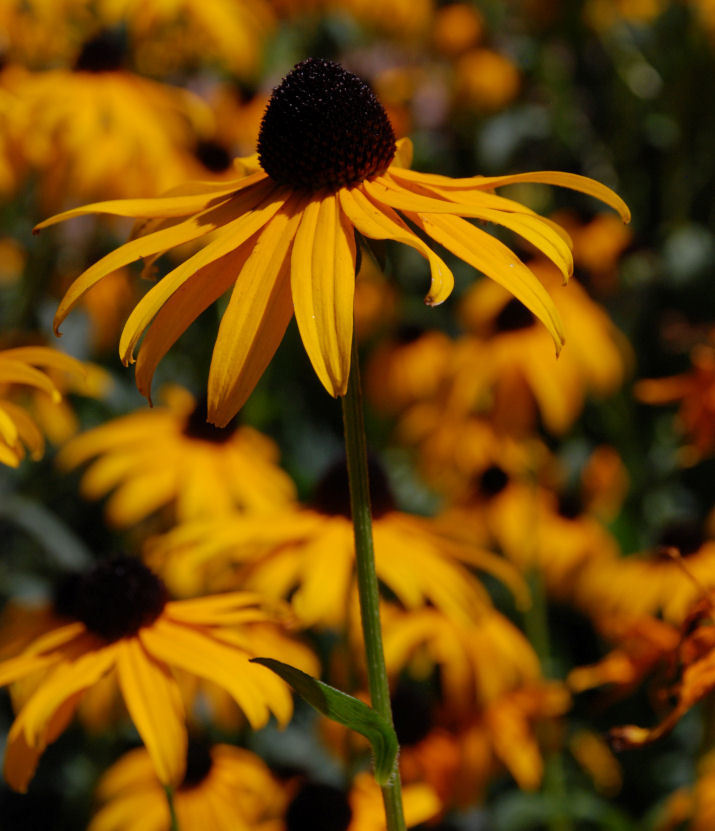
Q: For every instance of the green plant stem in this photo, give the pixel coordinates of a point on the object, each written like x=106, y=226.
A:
x=169, y=791
x=356, y=451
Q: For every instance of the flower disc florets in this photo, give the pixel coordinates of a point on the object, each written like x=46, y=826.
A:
x=324, y=129
x=116, y=598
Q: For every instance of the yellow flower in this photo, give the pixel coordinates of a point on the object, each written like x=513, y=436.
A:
x=168, y=35
x=224, y=789
x=38, y=33
x=517, y=375
x=170, y=456
x=660, y=581
x=99, y=130
x=288, y=554
x=122, y=620
x=283, y=237
x=478, y=661
x=407, y=368
x=27, y=368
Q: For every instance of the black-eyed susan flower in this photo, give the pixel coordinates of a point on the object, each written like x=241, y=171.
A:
x=283, y=237
x=21, y=369
x=169, y=455
x=122, y=620
x=139, y=130
x=288, y=554
x=666, y=579
x=224, y=788
x=517, y=378
x=170, y=35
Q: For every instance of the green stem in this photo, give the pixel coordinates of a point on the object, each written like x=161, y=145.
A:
x=356, y=452
x=169, y=791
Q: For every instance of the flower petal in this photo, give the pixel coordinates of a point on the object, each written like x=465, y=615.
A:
x=383, y=223
x=255, y=319
x=182, y=309
x=229, y=238
x=195, y=651
x=546, y=177
x=161, y=206
x=323, y=288
x=160, y=241
x=494, y=259
x=154, y=702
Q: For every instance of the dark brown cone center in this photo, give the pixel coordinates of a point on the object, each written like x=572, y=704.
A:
x=324, y=129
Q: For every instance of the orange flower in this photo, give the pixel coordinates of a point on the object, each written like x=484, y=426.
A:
x=695, y=390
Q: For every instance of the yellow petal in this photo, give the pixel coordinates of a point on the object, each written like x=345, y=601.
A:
x=180, y=311
x=323, y=288
x=71, y=677
x=16, y=372
x=161, y=206
x=196, y=652
x=545, y=177
x=497, y=262
x=230, y=237
x=255, y=319
x=158, y=242
x=154, y=702
x=46, y=357
x=383, y=223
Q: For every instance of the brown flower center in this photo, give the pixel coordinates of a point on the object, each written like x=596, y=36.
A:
x=324, y=129
x=115, y=599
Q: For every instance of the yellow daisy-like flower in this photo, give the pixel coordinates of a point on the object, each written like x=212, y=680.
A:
x=517, y=376
x=170, y=456
x=100, y=130
x=122, y=620
x=168, y=35
x=283, y=237
x=224, y=788
x=666, y=580
x=289, y=554
x=27, y=368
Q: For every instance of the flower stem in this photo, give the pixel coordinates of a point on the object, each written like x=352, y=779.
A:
x=356, y=452
x=169, y=791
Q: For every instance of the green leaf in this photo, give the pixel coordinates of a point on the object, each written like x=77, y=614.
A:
x=345, y=709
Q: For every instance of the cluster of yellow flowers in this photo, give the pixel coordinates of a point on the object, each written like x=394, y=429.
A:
x=273, y=206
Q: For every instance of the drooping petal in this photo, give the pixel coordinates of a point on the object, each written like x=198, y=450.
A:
x=21, y=757
x=154, y=702
x=16, y=372
x=546, y=177
x=74, y=675
x=543, y=234
x=45, y=357
x=158, y=242
x=160, y=206
x=195, y=651
x=497, y=262
x=28, y=432
x=182, y=309
x=323, y=288
x=383, y=223
x=255, y=320
x=229, y=238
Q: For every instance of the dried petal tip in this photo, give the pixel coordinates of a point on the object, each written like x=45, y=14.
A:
x=324, y=129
